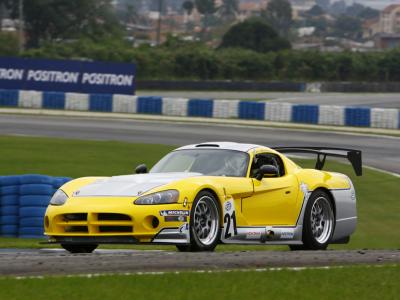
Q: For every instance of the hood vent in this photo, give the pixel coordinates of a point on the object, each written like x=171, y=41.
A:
x=207, y=145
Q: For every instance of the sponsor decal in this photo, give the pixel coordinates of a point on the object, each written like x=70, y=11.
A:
x=175, y=218
x=287, y=235
x=184, y=228
x=228, y=206
x=253, y=235
x=304, y=188
x=176, y=213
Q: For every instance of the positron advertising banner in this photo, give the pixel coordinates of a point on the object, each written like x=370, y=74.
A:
x=67, y=76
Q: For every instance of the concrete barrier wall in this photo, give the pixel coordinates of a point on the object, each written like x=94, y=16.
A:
x=221, y=85
x=208, y=108
x=314, y=87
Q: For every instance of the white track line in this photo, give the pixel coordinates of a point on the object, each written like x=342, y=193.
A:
x=273, y=269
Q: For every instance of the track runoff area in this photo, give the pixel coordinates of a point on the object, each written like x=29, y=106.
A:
x=38, y=262
x=229, y=273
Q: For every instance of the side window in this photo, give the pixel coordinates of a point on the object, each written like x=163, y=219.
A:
x=267, y=159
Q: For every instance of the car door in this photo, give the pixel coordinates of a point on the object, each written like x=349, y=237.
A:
x=274, y=199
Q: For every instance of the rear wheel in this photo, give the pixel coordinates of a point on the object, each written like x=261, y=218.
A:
x=318, y=223
x=79, y=248
x=204, y=224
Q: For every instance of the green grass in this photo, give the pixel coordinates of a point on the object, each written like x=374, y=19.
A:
x=377, y=192
x=358, y=282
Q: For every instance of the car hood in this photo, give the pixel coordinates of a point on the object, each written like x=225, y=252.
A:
x=129, y=185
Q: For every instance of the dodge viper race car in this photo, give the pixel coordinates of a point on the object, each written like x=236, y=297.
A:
x=200, y=195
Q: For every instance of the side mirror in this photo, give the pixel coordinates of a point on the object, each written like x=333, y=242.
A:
x=141, y=169
x=267, y=170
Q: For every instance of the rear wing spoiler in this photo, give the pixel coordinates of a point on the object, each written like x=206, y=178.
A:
x=353, y=156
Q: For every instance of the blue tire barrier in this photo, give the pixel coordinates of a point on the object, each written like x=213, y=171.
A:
x=305, y=114
x=100, y=102
x=149, y=105
x=36, y=189
x=9, y=230
x=9, y=98
x=23, y=203
x=53, y=100
x=34, y=200
x=9, y=180
x=32, y=212
x=200, y=108
x=9, y=220
x=9, y=200
x=31, y=222
x=358, y=116
x=60, y=181
x=9, y=190
x=9, y=210
x=31, y=236
x=252, y=110
x=36, y=179
x=27, y=232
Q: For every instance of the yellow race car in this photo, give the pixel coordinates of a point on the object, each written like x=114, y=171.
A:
x=200, y=195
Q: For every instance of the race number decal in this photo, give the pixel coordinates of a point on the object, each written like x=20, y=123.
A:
x=229, y=220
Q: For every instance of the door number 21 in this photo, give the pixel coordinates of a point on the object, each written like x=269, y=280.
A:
x=230, y=225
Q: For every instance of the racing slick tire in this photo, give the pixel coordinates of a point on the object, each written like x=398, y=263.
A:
x=79, y=248
x=318, y=222
x=204, y=226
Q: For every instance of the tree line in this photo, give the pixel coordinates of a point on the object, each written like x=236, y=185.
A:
x=249, y=50
x=177, y=60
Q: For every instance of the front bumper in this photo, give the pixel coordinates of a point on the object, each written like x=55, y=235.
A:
x=116, y=220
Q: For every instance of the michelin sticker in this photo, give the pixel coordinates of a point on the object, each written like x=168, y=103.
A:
x=174, y=213
x=229, y=229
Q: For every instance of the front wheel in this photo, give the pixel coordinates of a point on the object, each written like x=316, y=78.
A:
x=318, y=223
x=79, y=248
x=204, y=223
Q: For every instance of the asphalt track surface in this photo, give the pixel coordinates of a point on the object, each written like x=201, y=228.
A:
x=381, y=152
x=60, y=262
x=387, y=100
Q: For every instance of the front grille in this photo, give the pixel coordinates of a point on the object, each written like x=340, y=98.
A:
x=113, y=217
x=75, y=217
x=115, y=229
x=94, y=223
x=76, y=229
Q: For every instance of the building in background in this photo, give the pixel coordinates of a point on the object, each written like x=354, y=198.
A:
x=390, y=19
x=390, y=26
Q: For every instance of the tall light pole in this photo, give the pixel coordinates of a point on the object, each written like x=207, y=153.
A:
x=159, y=22
x=21, y=25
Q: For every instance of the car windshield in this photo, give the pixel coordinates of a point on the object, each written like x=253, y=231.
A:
x=205, y=161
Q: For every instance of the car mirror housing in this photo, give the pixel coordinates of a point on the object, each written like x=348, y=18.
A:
x=266, y=170
x=141, y=169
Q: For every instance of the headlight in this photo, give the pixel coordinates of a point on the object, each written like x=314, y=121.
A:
x=59, y=198
x=165, y=197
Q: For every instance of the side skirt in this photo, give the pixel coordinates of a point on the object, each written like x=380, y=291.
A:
x=269, y=235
